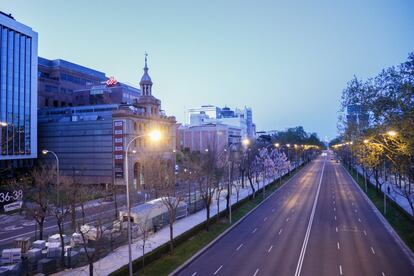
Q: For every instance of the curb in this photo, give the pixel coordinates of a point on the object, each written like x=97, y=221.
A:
x=384, y=221
x=205, y=248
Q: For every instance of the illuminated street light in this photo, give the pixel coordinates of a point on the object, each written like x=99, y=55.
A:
x=366, y=141
x=246, y=142
x=154, y=135
x=392, y=133
x=3, y=124
x=277, y=145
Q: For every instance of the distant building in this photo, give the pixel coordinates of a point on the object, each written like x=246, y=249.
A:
x=58, y=79
x=209, y=114
x=63, y=83
x=18, y=91
x=91, y=140
x=208, y=136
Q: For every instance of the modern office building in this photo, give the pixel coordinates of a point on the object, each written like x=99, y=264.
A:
x=18, y=91
x=91, y=140
x=63, y=83
x=208, y=136
x=209, y=114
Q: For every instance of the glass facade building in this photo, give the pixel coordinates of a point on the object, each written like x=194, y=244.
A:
x=18, y=90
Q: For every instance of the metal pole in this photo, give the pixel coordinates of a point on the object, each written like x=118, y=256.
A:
x=129, y=212
x=229, y=191
x=385, y=201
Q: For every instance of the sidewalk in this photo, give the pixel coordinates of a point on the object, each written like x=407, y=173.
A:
x=119, y=257
x=392, y=195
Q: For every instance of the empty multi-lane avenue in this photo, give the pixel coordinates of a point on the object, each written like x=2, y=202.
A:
x=319, y=223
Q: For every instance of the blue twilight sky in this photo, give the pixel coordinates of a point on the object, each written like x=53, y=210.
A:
x=288, y=60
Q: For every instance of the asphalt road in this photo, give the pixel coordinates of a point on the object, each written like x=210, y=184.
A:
x=317, y=224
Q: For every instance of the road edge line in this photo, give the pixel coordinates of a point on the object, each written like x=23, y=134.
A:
x=384, y=221
x=205, y=248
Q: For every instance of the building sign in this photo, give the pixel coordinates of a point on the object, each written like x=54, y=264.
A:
x=11, y=200
x=119, y=153
x=111, y=82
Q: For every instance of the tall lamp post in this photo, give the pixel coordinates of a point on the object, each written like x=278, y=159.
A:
x=45, y=152
x=154, y=135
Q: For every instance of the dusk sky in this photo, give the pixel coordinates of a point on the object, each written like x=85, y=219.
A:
x=288, y=60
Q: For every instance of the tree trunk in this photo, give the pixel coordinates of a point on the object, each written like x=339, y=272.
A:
x=208, y=218
x=171, y=237
x=91, y=269
x=251, y=185
x=242, y=178
x=73, y=215
x=62, y=252
x=83, y=213
x=41, y=226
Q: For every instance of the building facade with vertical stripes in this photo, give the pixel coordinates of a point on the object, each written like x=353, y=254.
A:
x=18, y=90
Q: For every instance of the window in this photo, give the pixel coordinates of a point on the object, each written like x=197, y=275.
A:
x=51, y=88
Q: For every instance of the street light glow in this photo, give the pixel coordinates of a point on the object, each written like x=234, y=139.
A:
x=45, y=151
x=366, y=141
x=3, y=124
x=246, y=142
x=277, y=145
x=155, y=135
x=392, y=133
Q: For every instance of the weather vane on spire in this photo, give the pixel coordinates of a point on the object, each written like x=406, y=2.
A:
x=146, y=55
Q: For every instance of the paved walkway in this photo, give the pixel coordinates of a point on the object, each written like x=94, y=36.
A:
x=394, y=193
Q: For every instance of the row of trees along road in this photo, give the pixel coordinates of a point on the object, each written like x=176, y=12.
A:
x=383, y=143
x=209, y=174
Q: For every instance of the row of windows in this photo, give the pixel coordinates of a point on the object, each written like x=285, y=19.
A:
x=74, y=79
x=15, y=87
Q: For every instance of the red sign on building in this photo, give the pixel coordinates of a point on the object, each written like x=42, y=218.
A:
x=119, y=152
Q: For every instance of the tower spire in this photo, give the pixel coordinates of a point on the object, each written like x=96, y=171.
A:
x=146, y=83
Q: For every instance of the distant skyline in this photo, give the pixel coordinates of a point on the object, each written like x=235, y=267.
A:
x=288, y=61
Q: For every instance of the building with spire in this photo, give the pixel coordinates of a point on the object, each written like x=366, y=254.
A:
x=91, y=140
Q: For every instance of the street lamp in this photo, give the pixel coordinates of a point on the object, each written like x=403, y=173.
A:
x=246, y=142
x=3, y=124
x=154, y=135
x=45, y=152
x=392, y=133
x=229, y=186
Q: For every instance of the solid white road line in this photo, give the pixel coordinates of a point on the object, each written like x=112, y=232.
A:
x=306, y=239
x=372, y=250
x=257, y=271
x=255, y=229
x=194, y=274
x=240, y=246
x=218, y=270
x=337, y=245
x=270, y=248
x=340, y=269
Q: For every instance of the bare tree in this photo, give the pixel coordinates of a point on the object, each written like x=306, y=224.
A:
x=144, y=229
x=161, y=177
x=39, y=195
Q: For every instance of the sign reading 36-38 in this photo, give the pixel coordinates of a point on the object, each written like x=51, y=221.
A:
x=11, y=199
